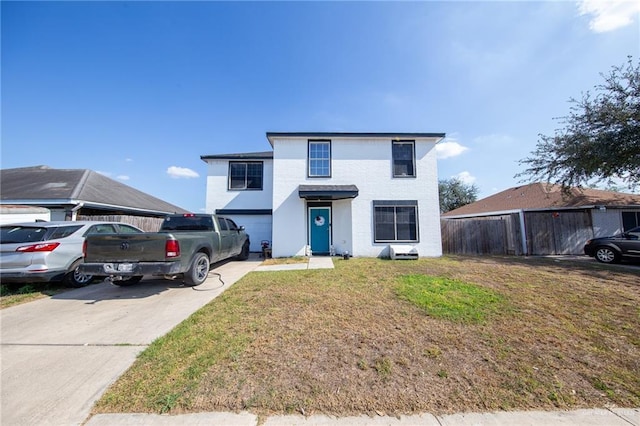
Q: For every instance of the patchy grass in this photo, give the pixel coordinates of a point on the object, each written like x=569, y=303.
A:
x=451, y=299
x=17, y=294
x=553, y=335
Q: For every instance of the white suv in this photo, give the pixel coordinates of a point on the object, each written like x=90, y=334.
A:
x=50, y=251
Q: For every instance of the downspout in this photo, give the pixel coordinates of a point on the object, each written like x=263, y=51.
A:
x=523, y=233
x=74, y=211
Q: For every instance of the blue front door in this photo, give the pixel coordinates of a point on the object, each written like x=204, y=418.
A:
x=319, y=230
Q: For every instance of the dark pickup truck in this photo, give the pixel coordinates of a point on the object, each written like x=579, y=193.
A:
x=185, y=246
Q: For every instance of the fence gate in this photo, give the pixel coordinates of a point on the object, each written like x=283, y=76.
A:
x=559, y=232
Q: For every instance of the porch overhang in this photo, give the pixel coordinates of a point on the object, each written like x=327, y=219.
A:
x=327, y=192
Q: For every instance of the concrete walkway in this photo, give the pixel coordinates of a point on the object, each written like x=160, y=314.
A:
x=315, y=262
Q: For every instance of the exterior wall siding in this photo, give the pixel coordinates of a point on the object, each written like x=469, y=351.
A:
x=220, y=197
x=366, y=163
x=606, y=222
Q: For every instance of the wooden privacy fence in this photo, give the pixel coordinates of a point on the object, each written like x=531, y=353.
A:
x=547, y=233
x=147, y=224
x=490, y=235
x=559, y=232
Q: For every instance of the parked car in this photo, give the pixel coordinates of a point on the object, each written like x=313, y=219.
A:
x=616, y=247
x=50, y=251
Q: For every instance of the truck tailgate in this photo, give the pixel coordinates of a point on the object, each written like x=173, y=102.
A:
x=148, y=247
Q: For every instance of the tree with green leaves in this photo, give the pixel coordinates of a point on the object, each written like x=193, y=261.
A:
x=454, y=193
x=600, y=140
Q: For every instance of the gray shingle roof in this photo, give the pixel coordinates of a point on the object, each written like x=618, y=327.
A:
x=42, y=183
x=545, y=196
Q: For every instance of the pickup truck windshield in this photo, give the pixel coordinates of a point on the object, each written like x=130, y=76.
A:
x=187, y=223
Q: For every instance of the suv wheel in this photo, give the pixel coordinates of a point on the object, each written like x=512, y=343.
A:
x=75, y=279
x=607, y=255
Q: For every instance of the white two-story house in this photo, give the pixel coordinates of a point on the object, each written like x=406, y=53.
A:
x=332, y=193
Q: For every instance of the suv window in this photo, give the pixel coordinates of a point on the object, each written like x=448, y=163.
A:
x=21, y=234
x=101, y=229
x=127, y=229
x=63, y=231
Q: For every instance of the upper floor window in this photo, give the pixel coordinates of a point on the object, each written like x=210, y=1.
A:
x=319, y=158
x=245, y=175
x=403, y=153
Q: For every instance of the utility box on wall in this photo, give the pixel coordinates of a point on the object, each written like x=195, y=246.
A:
x=402, y=252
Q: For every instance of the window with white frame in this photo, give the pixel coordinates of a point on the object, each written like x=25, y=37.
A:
x=245, y=175
x=395, y=221
x=319, y=158
x=403, y=153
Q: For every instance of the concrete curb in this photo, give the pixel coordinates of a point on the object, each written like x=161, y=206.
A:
x=584, y=417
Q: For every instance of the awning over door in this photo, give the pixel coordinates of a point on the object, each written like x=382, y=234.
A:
x=327, y=192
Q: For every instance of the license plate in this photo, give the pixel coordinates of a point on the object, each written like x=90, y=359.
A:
x=125, y=267
x=118, y=267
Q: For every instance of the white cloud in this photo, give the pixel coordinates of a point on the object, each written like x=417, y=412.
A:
x=465, y=177
x=128, y=160
x=123, y=177
x=449, y=148
x=181, y=172
x=609, y=15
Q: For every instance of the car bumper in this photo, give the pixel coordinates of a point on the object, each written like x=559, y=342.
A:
x=31, y=277
x=589, y=251
x=130, y=269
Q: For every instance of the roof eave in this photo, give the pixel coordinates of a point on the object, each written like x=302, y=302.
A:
x=391, y=135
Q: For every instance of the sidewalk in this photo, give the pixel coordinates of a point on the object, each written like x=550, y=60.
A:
x=595, y=417
x=315, y=262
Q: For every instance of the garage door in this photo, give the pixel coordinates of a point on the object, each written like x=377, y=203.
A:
x=257, y=226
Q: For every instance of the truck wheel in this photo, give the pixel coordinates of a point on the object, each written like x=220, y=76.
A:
x=75, y=279
x=244, y=254
x=198, y=270
x=129, y=281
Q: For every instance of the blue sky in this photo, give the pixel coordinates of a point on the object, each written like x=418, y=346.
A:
x=139, y=91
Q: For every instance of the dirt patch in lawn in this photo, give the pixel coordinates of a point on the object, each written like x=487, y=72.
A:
x=348, y=341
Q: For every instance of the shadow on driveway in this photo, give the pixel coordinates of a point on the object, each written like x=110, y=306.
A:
x=149, y=286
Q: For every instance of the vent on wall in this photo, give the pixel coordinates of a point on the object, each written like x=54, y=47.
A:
x=402, y=252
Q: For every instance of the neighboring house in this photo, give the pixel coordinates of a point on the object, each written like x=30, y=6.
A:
x=69, y=193
x=15, y=214
x=538, y=219
x=332, y=193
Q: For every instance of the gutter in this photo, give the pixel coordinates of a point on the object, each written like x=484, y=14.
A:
x=79, y=204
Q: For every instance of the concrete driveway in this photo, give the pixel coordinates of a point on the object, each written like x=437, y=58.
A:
x=58, y=355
